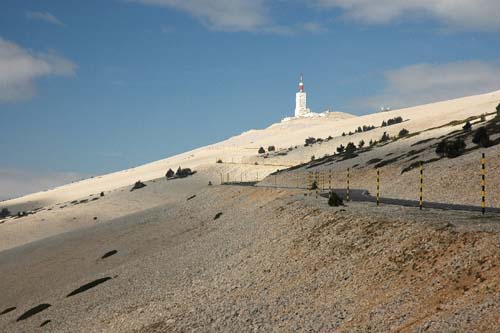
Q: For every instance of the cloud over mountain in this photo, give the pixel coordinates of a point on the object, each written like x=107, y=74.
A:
x=44, y=17
x=20, y=67
x=426, y=83
x=227, y=15
x=458, y=14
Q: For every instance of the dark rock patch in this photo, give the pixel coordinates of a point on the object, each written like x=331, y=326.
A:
x=109, y=254
x=33, y=311
x=191, y=197
x=88, y=286
x=45, y=323
x=373, y=161
x=8, y=310
x=217, y=216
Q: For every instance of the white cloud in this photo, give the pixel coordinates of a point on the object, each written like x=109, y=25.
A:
x=45, y=17
x=459, y=14
x=15, y=183
x=19, y=68
x=227, y=15
x=426, y=83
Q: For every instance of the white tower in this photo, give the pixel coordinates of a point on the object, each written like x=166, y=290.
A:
x=301, y=100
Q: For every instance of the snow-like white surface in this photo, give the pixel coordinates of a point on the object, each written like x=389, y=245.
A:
x=240, y=151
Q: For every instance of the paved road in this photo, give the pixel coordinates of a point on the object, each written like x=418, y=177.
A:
x=358, y=195
x=364, y=196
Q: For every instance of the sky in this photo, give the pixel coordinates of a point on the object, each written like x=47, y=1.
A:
x=96, y=86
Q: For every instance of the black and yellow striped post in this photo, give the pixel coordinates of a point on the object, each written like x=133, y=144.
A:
x=317, y=183
x=378, y=187
x=330, y=180
x=483, y=184
x=347, y=198
x=421, y=200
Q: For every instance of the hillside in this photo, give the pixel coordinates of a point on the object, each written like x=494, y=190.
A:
x=190, y=254
x=242, y=259
x=239, y=153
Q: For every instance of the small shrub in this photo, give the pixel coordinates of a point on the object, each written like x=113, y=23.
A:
x=395, y=120
x=456, y=148
x=498, y=109
x=4, y=213
x=350, y=148
x=360, y=129
x=314, y=185
x=482, y=138
x=310, y=141
x=182, y=173
x=384, y=124
x=385, y=137
x=219, y=161
x=138, y=184
x=334, y=200
x=451, y=149
x=102, y=194
x=170, y=173
x=340, y=149
x=404, y=132
x=467, y=127
x=271, y=148
x=209, y=183
x=313, y=158
x=262, y=150
x=343, y=133
x=441, y=148
x=361, y=144
x=483, y=117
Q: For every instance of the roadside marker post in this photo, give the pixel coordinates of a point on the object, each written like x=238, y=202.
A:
x=317, y=183
x=378, y=187
x=330, y=180
x=348, y=181
x=483, y=184
x=421, y=201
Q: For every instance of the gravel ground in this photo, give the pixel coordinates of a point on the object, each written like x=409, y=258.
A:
x=273, y=261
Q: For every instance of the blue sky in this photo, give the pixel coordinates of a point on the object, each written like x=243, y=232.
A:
x=90, y=87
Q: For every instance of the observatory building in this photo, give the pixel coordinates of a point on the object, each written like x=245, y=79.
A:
x=301, y=109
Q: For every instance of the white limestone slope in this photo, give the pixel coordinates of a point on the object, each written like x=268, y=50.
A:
x=243, y=147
